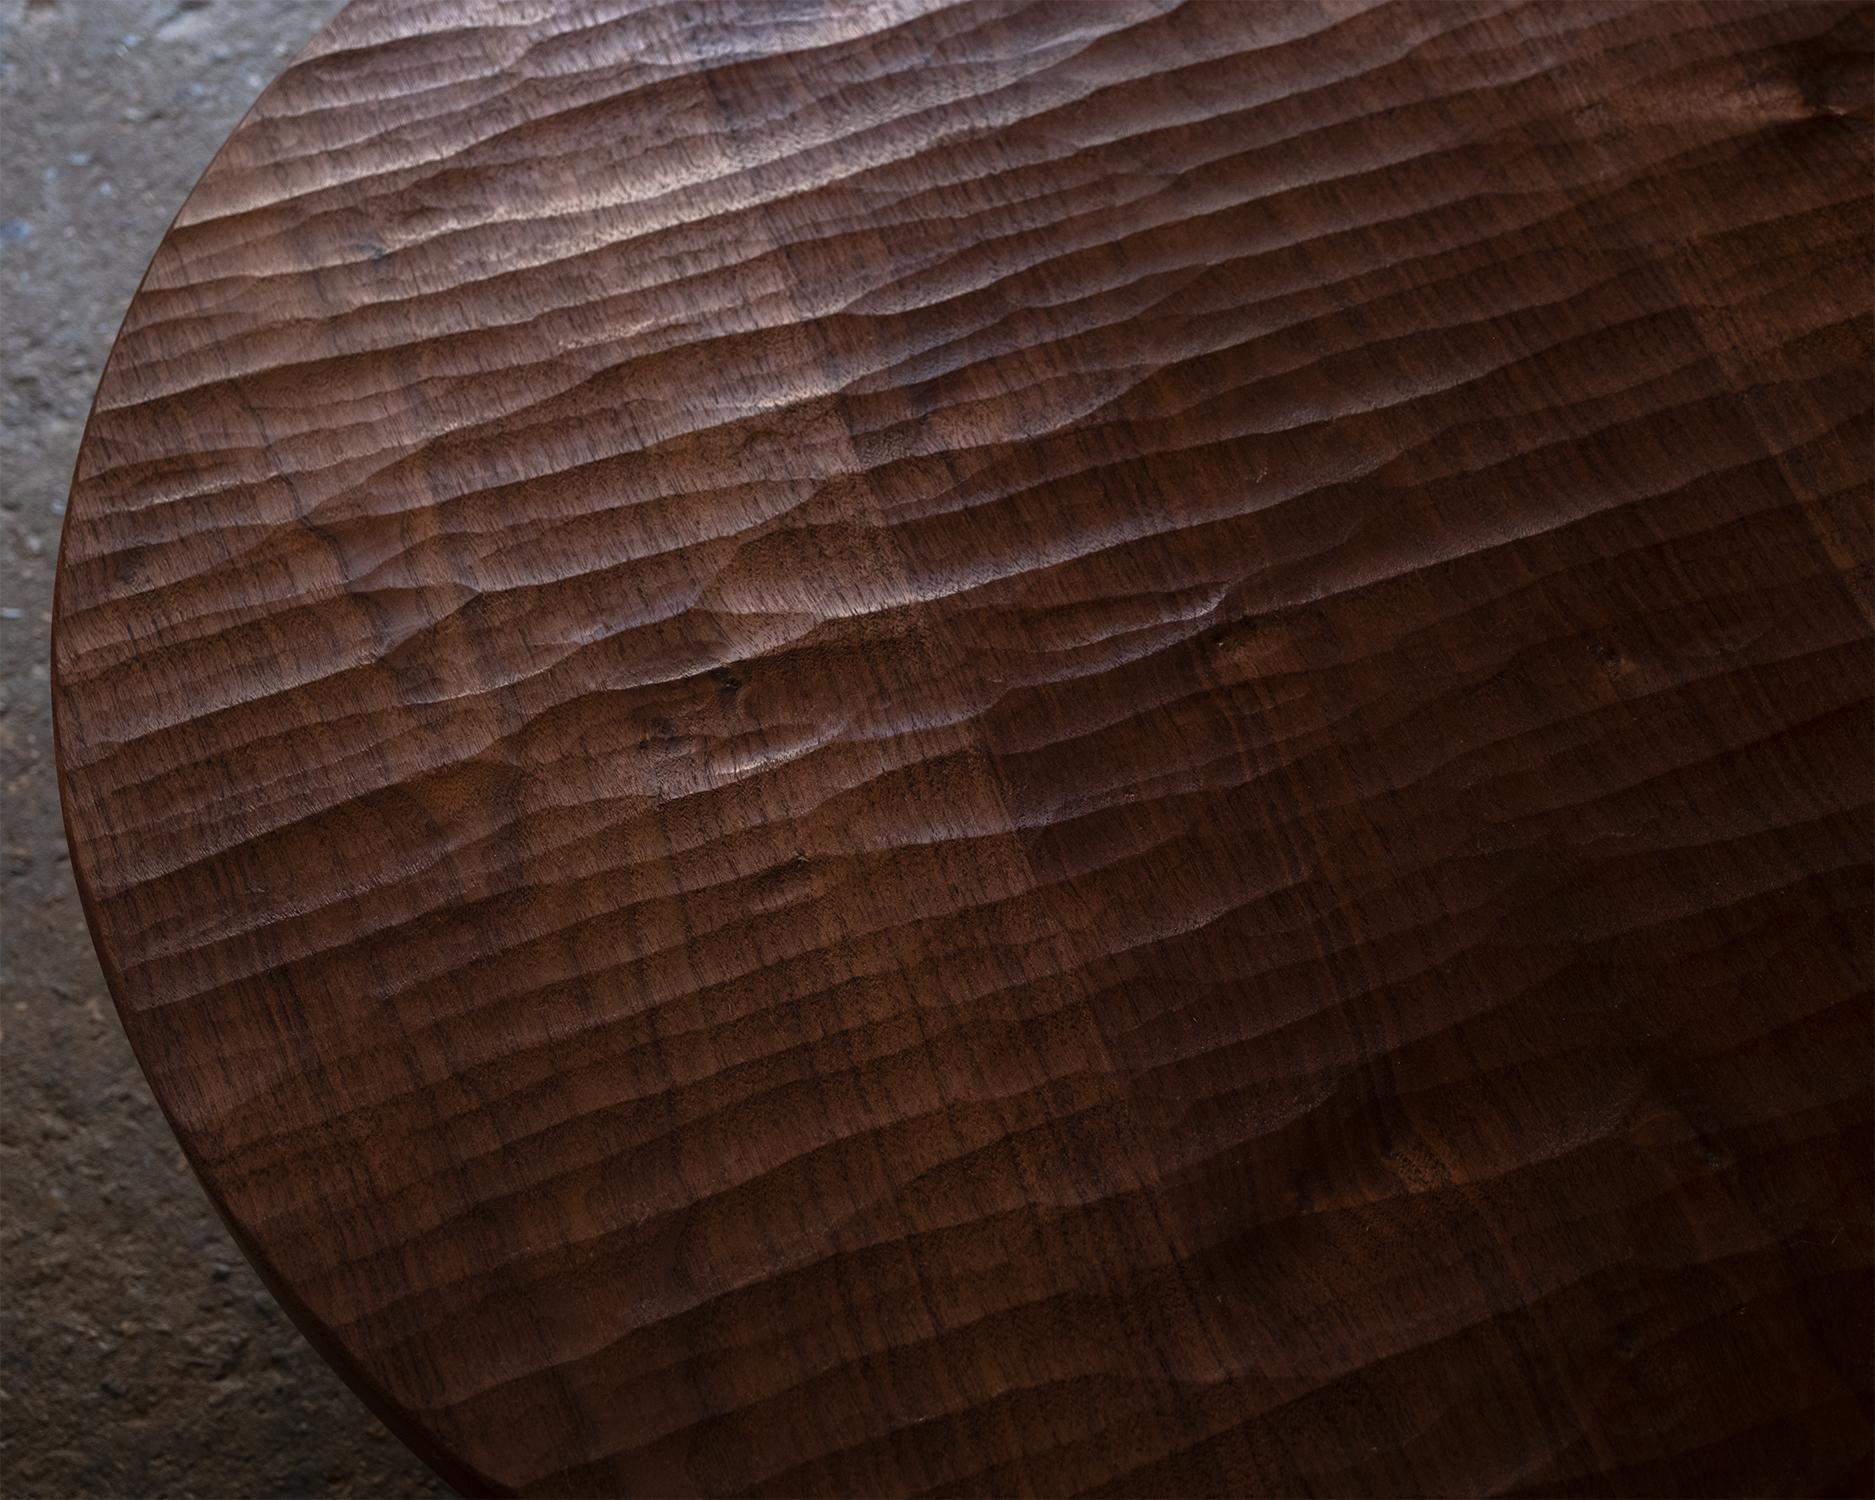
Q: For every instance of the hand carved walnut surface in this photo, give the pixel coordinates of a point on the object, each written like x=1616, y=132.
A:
x=1000, y=749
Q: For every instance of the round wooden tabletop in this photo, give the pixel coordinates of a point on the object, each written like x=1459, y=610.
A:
x=1092, y=747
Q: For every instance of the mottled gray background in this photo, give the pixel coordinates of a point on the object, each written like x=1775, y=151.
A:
x=139, y=1355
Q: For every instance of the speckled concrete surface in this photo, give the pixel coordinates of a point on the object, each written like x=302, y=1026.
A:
x=139, y=1355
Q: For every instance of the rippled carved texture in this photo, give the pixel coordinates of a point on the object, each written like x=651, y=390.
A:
x=1086, y=747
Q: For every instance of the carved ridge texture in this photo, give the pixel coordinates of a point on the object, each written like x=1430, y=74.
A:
x=982, y=749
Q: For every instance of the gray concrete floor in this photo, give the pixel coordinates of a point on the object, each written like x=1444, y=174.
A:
x=139, y=1355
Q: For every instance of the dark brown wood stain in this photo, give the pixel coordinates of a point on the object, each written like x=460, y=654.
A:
x=978, y=749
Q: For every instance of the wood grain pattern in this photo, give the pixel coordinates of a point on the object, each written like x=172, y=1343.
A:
x=975, y=749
